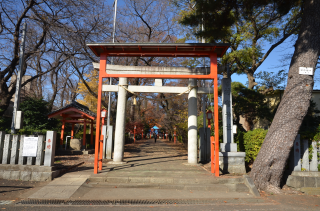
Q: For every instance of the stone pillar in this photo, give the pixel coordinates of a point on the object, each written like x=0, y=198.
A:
x=228, y=144
x=40, y=152
x=120, y=123
x=22, y=160
x=305, y=157
x=104, y=133
x=109, y=141
x=205, y=147
x=231, y=161
x=314, y=161
x=296, y=154
x=7, y=149
x=50, y=148
x=15, y=150
x=192, y=124
x=2, y=133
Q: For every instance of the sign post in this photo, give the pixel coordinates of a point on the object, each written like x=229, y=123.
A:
x=30, y=146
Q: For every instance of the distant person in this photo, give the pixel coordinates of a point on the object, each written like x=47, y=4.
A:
x=170, y=136
x=155, y=137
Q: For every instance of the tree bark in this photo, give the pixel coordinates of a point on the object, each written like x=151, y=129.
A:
x=269, y=166
x=251, y=80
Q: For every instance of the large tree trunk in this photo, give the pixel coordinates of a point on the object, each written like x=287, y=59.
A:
x=269, y=165
x=251, y=80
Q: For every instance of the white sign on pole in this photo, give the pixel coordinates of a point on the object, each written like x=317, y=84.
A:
x=103, y=113
x=30, y=145
x=234, y=129
x=305, y=70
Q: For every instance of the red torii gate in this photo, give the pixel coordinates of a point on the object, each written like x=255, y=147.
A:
x=75, y=113
x=211, y=50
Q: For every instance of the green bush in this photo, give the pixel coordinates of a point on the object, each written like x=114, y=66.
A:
x=252, y=143
x=238, y=138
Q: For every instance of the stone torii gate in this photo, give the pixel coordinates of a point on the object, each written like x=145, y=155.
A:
x=158, y=50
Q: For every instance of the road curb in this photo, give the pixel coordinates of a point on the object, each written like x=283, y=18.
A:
x=252, y=188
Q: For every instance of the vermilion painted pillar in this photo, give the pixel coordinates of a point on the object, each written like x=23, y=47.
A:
x=103, y=65
x=175, y=136
x=214, y=69
x=72, y=130
x=134, y=134
x=84, y=134
x=91, y=132
x=62, y=132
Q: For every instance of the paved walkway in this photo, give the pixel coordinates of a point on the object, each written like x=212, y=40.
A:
x=154, y=173
x=153, y=170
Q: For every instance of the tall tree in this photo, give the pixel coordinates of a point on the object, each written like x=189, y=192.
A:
x=51, y=24
x=245, y=24
x=269, y=166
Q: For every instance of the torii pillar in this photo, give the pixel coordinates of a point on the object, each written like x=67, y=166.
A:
x=120, y=123
x=192, y=124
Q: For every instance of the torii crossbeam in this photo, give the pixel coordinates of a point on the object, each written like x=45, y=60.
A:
x=211, y=50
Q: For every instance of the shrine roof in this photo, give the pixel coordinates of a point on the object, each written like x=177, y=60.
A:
x=159, y=49
x=67, y=110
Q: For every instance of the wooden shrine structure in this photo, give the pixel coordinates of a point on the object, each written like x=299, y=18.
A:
x=75, y=113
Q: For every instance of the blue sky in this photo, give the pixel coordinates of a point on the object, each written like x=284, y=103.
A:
x=274, y=62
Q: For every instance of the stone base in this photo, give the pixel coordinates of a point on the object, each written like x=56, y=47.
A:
x=228, y=147
x=232, y=162
x=28, y=173
x=87, y=151
x=117, y=162
x=192, y=164
x=74, y=152
x=304, y=179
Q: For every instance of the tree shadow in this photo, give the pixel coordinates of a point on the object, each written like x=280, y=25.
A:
x=13, y=188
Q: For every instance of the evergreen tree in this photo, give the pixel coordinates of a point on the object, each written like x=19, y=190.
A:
x=269, y=166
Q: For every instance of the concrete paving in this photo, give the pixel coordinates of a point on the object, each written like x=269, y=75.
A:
x=61, y=188
x=152, y=171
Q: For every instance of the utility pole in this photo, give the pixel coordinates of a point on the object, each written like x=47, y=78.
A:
x=113, y=36
x=203, y=84
x=18, y=79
